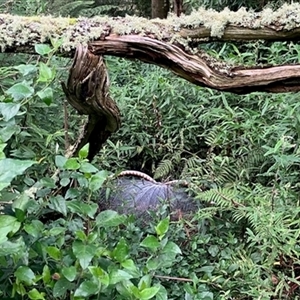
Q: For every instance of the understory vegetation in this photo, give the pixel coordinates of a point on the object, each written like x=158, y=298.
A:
x=239, y=153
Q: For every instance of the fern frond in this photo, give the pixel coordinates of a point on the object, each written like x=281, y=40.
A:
x=223, y=197
x=164, y=168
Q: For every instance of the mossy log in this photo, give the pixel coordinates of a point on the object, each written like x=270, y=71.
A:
x=174, y=43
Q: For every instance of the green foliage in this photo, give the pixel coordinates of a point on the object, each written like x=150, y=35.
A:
x=239, y=153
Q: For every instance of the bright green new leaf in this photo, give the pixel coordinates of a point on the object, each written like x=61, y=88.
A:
x=54, y=252
x=46, y=73
x=34, y=294
x=25, y=274
x=10, y=168
x=72, y=164
x=84, y=151
x=150, y=242
x=149, y=293
x=110, y=218
x=84, y=253
x=9, y=110
x=162, y=227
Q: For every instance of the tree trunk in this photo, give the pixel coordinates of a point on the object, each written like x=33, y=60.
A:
x=160, y=8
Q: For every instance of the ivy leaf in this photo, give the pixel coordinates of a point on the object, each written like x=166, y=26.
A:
x=9, y=110
x=20, y=91
x=10, y=168
x=42, y=49
x=25, y=69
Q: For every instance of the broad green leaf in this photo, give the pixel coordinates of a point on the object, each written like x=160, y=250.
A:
x=82, y=208
x=84, y=253
x=54, y=252
x=88, y=168
x=116, y=276
x=8, y=111
x=110, y=218
x=150, y=242
x=69, y=272
x=100, y=275
x=42, y=49
x=34, y=228
x=162, y=294
x=72, y=164
x=149, y=293
x=26, y=69
x=36, y=295
x=121, y=251
x=20, y=91
x=46, y=73
x=58, y=203
x=8, y=131
x=206, y=296
x=10, y=168
x=46, y=95
x=97, y=180
x=87, y=288
x=213, y=250
x=61, y=287
x=10, y=248
x=25, y=274
x=145, y=282
x=8, y=224
x=162, y=227
x=171, y=248
x=130, y=266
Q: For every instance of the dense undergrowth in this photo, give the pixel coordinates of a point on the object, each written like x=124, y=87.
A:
x=240, y=154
